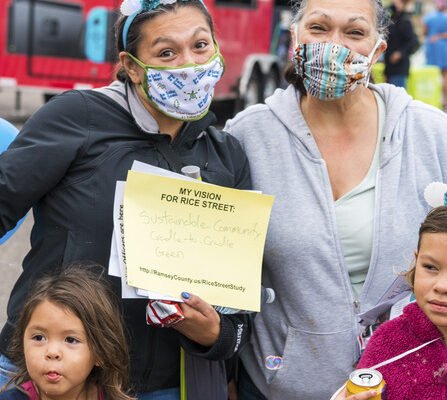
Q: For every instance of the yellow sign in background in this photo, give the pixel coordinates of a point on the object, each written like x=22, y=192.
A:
x=187, y=236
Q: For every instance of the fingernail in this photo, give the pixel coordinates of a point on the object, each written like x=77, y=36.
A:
x=186, y=295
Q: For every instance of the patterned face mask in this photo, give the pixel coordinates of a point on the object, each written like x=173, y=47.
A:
x=330, y=71
x=184, y=92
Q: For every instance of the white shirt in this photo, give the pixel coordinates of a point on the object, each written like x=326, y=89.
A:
x=355, y=216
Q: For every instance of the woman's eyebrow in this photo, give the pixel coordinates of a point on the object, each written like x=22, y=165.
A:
x=327, y=16
x=320, y=13
x=360, y=17
x=162, y=39
x=201, y=29
x=169, y=40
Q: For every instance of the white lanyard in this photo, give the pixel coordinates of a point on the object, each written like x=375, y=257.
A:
x=398, y=357
x=389, y=361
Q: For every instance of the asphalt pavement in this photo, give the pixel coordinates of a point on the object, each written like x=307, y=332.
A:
x=15, y=110
x=11, y=256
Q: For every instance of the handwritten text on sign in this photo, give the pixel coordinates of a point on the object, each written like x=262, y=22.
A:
x=187, y=236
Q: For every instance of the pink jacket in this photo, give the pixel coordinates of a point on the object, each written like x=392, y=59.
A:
x=421, y=375
x=30, y=389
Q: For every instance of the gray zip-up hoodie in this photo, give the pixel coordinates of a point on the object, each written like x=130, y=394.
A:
x=313, y=324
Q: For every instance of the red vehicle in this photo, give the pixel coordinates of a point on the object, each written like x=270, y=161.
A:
x=56, y=45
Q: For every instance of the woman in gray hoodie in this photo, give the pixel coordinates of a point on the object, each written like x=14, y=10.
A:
x=348, y=163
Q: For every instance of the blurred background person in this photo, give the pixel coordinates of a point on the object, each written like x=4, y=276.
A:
x=402, y=42
x=435, y=31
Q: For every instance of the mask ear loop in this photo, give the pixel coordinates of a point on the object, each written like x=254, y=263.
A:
x=295, y=31
x=370, y=57
x=376, y=46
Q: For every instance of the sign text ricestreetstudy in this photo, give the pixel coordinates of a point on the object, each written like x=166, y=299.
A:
x=206, y=282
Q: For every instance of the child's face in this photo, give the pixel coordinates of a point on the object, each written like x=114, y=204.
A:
x=430, y=280
x=57, y=354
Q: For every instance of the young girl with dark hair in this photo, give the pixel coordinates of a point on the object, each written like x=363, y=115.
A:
x=69, y=341
x=421, y=331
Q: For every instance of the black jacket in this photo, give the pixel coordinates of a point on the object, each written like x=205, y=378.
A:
x=64, y=164
x=401, y=38
x=13, y=394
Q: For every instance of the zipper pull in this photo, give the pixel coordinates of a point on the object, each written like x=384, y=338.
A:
x=356, y=306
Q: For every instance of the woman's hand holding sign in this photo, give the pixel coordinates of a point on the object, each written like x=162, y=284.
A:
x=201, y=323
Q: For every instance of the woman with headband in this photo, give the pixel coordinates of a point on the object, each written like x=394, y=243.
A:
x=66, y=160
x=347, y=162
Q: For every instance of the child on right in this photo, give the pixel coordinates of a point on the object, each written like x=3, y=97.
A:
x=69, y=341
x=421, y=374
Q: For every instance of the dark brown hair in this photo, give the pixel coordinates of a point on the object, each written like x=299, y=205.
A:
x=134, y=36
x=83, y=290
x=435, y=222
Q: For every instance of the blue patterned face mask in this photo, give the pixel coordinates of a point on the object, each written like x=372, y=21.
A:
x=184, y=92
x=330, y=71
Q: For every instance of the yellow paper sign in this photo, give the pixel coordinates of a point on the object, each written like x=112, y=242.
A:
x=203, y=239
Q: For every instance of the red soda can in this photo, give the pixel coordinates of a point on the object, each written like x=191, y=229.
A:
x=362, y=380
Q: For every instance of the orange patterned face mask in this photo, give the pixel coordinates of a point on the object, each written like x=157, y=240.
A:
x=330, y=71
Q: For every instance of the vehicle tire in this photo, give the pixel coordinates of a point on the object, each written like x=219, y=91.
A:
x=254, y=92
x=272, y=81
x=47, y=97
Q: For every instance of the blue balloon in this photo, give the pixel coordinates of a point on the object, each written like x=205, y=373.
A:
x=7, y=134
